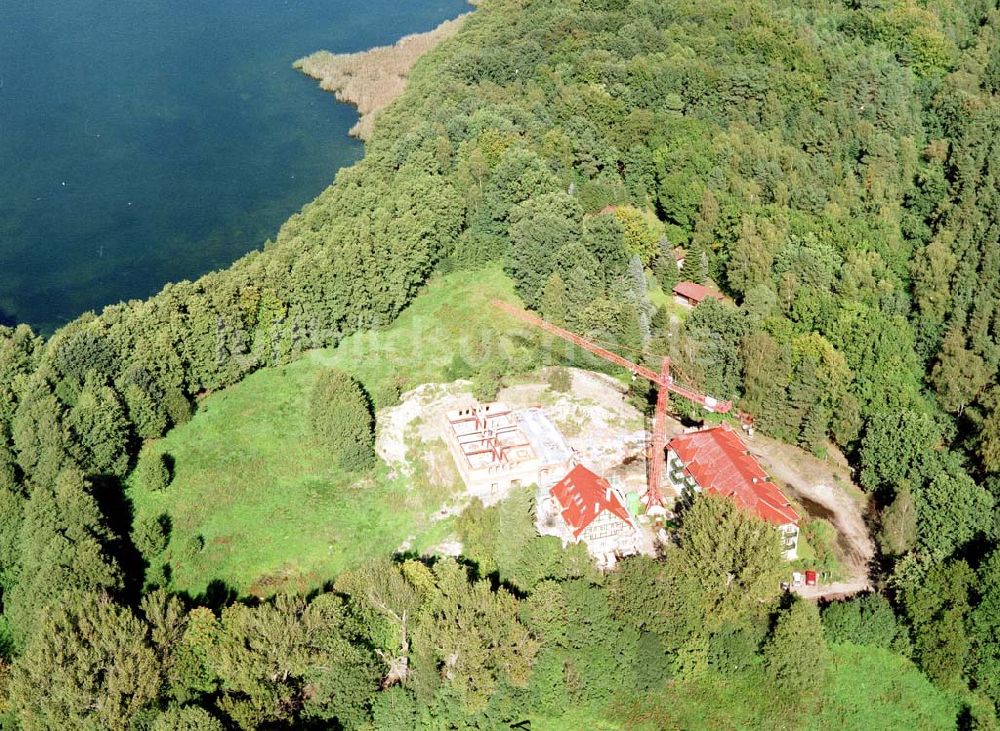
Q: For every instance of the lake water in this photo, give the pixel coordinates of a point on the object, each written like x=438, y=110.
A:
x=147, y=141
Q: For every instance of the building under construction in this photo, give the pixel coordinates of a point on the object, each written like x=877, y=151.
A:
x=713, y=459
x=497, y=449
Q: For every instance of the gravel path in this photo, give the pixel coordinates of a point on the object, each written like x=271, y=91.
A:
x=818, y=485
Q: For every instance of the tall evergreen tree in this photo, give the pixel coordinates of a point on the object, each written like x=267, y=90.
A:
x=88, y=665
x=62, y=548
x=695, y=268
x=665, y=266
x=40, y=440
x=99, y=430
x=554, y=305
x=340, y=414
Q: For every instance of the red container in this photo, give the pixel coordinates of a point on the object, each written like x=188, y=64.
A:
x=810, y=578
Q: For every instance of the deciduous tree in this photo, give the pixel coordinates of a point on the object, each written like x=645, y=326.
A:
x=729, y=561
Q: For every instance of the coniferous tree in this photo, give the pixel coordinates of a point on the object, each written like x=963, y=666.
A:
x=540, y=229
x=149, y=536
x=554, y=304
x=18, y=351
x=341, y=418
x=984, y=629
x=153, y=470
x=899, y=524
x=12, y=506
x=665, y=266
x=960, y=375
x=99, y=430
x=695, y=268
x=187, y=673
x=187, y=718
x=87, y=665
x=40, y=441
x=145, y=412
x=989, y=444
x=937, y=608
x=62, y=549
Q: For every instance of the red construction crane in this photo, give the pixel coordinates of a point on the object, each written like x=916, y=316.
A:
x=663, y=380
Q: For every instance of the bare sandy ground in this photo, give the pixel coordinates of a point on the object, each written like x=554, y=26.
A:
x=825, y=490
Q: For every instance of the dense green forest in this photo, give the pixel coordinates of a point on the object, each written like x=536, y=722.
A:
x=833, y=167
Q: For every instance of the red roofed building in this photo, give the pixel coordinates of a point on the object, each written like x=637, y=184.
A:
x=592, y=511
x=716, y=460
x=690, y=294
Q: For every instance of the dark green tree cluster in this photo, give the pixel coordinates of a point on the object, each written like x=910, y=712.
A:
x=832, y=168
x=341, y=419
x=520, y=628
x=433, y=638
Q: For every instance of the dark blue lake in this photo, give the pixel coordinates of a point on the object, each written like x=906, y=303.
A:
x=147, y=141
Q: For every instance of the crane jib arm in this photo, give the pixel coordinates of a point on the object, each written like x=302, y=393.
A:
x=664, y=380
x=639, y=370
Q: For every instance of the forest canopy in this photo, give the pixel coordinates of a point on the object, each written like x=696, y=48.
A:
x=831, y=168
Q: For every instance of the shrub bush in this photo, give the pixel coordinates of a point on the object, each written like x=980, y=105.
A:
x=560, y=380
x=150, y=535
x=341, y=419
x=192, y=546
x=153, y=470
x=387, y=394
x=487, y=382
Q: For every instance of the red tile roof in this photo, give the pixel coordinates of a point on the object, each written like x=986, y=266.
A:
x=583, y=496
x=694, y=292
x=719, y=462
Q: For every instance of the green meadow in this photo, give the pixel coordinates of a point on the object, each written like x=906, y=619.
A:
x=254, y=503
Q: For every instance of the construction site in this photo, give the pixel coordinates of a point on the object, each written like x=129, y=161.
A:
x=497, y=449
x=602, y=477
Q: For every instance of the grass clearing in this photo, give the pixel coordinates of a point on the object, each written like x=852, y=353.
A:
x=868, y=687
x=256, y=505
x=660, y=298
x=864, y=688
x=576, y=718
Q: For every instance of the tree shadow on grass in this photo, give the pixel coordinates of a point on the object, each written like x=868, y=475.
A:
x=118, y=511
x=217, y=595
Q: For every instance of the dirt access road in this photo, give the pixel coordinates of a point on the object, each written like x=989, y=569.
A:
x=825, y=490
